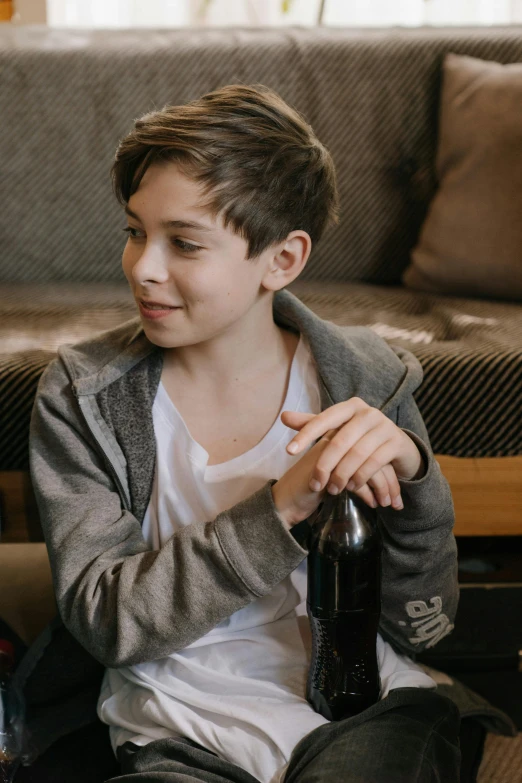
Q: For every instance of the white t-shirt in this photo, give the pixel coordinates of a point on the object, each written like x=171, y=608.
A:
x=240, y=689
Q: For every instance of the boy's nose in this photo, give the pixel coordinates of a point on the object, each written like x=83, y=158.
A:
x=150, y=268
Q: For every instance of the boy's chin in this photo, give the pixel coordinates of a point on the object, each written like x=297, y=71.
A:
x=161, y=340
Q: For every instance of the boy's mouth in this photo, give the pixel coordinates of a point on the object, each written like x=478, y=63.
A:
x=157, y=305
x=157, y=310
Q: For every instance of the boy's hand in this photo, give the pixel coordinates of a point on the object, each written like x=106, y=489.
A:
x=357, y=444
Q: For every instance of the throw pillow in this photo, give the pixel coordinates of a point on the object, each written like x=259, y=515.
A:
x=471, y=241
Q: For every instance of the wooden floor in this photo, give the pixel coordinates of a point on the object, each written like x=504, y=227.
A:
x=502, y=760
x=487, y=495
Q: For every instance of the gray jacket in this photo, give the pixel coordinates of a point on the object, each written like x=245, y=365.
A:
x=92, y=458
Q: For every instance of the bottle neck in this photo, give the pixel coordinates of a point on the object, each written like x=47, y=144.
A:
x=347, y=527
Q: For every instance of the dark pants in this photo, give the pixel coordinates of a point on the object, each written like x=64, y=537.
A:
x=411, y=735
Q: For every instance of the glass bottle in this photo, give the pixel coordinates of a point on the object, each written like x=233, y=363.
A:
x=343, y=606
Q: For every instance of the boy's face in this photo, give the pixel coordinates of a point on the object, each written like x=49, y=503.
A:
x=203, y=271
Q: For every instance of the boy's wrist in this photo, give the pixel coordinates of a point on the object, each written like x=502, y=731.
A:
x=421, y=471
x=424, y=459
x=283, y=512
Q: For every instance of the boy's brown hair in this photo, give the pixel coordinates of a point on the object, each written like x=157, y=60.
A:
x=257, y=159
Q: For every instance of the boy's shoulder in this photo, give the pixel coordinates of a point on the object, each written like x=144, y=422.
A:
x=358, y=346
x=89, y=358
x=372, y=358
x=374, y=347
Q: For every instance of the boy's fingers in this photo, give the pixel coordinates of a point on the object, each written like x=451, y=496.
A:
x=336, y=416
x=295, y=420
x=366, y=494
x=393, y=484
x=386, y=487
x=380, y=486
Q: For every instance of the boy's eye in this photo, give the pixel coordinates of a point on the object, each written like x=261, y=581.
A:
x=129, y=230
x=185, y=246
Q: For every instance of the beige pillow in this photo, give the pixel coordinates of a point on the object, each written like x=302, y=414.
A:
x=471, y=241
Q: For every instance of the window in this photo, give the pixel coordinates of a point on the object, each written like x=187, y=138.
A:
x=355, y=13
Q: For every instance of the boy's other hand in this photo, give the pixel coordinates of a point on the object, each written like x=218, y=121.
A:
x=359, y=448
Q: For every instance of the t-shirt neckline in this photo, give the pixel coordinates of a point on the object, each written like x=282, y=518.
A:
x=243, y=462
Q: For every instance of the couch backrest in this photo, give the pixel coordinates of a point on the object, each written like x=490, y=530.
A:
x=68, y=96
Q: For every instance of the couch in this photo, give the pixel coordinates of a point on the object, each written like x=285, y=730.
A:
x=372, y=96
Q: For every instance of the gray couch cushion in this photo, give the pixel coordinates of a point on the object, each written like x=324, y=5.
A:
x=68, y=96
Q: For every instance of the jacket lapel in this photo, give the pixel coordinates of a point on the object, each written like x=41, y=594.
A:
x=126, y=405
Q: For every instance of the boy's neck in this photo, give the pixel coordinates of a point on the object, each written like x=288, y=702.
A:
x=255, y=349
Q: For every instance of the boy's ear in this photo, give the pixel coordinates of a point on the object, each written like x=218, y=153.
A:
x=290, y=260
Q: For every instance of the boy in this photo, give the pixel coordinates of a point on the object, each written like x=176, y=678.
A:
x=170, y=499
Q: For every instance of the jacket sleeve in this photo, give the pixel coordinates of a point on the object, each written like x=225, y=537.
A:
x=420, y=582
x=124, y=603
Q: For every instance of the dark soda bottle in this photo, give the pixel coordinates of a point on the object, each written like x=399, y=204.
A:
x=343, y=606
x=11, y=715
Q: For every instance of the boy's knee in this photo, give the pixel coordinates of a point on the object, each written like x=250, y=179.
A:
x=449, y=723
x=438, y=712
x=440, y=716
x=443, y=706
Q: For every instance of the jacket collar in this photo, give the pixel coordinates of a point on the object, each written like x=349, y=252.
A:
x=352, y=361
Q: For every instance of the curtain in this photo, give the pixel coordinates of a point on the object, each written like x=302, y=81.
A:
x=345, y=13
